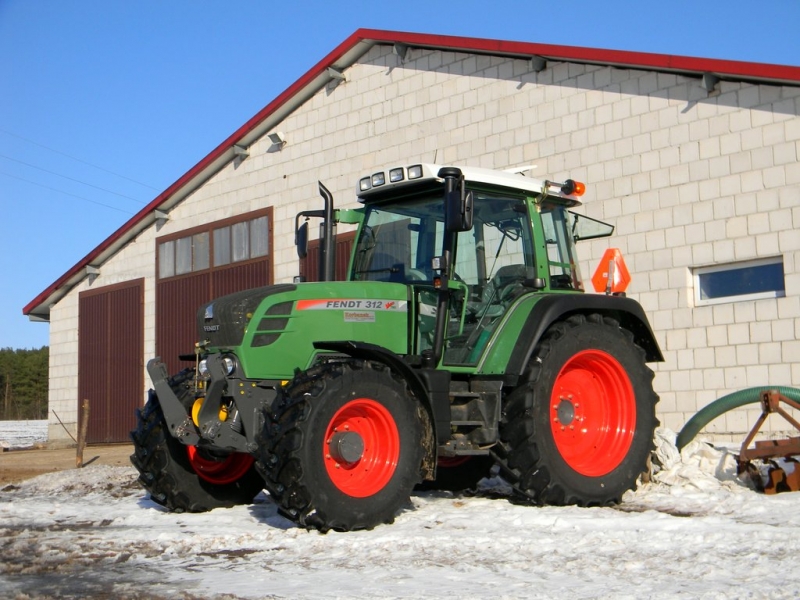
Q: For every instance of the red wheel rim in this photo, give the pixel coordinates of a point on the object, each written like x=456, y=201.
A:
x=373, y=469
x=593, y=413
x=222, y=471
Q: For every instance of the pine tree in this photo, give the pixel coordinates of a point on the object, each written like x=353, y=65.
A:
x=23, y=383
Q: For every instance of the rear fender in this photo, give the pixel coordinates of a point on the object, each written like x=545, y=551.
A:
x=556, y=307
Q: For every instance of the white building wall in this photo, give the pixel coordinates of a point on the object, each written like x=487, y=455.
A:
x=689, y=179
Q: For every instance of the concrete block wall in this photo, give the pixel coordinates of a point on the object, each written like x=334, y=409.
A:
x=688, y=178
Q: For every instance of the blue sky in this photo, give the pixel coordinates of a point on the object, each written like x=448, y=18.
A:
x=104, y=104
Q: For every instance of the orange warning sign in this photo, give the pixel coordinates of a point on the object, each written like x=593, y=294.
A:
x=612, y=275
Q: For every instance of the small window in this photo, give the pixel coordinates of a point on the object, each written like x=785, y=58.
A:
x=222, y=246
x=241, y=241
x=200, y=251
x=183, y=255
x=166, y=259
x=751, y=280
x=259, y=237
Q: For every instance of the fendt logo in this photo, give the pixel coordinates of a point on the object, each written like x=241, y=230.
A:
x=352, y=304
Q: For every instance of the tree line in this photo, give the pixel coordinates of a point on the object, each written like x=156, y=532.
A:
x=23, y=383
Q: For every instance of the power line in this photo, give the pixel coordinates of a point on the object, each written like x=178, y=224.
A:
x=22, y=162
x=80, y=160
x=47, y=187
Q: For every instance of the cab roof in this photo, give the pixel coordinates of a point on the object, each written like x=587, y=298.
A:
x=382, y=183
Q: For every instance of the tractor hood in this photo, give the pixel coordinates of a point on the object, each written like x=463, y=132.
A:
x=271, y=330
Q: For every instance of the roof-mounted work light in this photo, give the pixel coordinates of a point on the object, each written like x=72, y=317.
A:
x=569, y=188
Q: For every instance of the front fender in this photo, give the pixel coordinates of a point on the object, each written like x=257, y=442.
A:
x=428, y=385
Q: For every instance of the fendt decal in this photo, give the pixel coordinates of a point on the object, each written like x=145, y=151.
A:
x=352, y=316
x=353, y=304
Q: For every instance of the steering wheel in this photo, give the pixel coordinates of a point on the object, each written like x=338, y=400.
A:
x=415, y=275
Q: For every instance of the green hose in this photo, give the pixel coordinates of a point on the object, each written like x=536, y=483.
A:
x=726, y=403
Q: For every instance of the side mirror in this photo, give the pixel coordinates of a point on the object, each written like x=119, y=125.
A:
x=459, y=210
x=458, y=202
x=301, y=240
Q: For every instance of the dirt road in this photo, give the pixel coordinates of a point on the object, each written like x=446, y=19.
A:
x=18, y=465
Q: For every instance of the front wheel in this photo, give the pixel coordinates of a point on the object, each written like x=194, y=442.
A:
x=342, y=448
x=581, y=430
x=186, y=478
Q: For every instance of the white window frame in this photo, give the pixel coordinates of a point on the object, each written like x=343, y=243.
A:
x=698, y=272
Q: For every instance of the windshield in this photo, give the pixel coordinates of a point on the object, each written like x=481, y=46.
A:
x=398, y=242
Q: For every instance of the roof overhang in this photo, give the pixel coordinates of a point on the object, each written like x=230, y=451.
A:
x=343, y=57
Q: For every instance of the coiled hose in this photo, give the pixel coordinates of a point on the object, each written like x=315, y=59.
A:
x=726, y=403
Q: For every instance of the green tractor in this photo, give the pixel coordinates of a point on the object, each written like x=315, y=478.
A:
x=462, y=341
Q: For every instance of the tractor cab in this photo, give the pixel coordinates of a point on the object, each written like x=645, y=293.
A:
x=479, y=250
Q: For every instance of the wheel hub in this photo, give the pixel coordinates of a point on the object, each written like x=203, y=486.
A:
x=565, y=411
x=346, y=447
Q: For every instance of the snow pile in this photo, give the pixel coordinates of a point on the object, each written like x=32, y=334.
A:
x=15, y=435
x=697, y=465
x=93, y=532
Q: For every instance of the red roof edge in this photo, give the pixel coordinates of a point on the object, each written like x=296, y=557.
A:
x=641, y=60
x=594, y=55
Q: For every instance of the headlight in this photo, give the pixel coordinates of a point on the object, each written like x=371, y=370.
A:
x=230, y=364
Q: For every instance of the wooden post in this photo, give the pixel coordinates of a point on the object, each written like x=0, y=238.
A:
x=84, y=425
x=7, y=399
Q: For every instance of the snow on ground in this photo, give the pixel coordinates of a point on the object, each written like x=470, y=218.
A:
x=22, y=434
x=694, y=532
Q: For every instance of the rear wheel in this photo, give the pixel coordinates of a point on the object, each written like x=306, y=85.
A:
x=343, y=447
x=186, y=478
x=581, y=430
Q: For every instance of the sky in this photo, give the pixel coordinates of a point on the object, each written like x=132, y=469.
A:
x=103, y=105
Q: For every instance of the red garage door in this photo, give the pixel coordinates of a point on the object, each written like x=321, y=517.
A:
x=110, y=354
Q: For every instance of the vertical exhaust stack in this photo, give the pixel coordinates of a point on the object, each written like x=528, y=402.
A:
x=327, y=248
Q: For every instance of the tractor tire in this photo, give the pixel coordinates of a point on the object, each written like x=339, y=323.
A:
x=580, y=431
x=186, y=478
x=459, y=474
x=342, y=447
